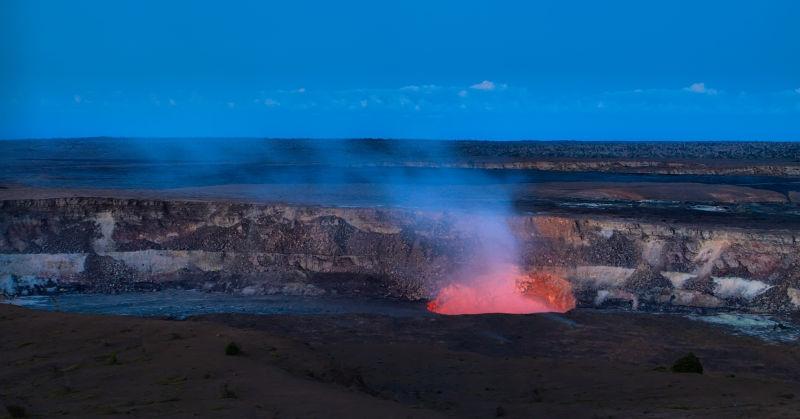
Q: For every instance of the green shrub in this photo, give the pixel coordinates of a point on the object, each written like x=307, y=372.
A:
x=227, y=393
x=112, y=359
x=16, y=411
x=688, y=364
x=232, y=349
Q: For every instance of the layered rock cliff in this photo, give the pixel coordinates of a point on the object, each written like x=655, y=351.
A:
x=117, y=245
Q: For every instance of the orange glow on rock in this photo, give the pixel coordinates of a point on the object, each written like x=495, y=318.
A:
x=505, y=290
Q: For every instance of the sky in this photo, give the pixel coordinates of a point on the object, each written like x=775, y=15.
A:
x=613, y=70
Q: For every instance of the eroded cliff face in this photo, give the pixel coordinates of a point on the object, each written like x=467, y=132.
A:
x=116, y=245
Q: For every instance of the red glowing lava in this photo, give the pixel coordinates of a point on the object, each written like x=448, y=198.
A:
x=505, y=290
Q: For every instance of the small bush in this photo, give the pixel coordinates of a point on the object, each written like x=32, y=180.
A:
x=232, y=349
x=112, y=359
x=16, y=411
x=173, y=380
x=688, y=364
x=227, y=393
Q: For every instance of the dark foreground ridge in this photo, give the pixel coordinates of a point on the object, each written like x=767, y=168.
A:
x=587, y=363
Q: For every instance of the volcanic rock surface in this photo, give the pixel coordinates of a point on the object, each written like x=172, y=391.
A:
x=114, y=245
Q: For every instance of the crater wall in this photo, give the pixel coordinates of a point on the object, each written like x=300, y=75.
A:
x=118, y=245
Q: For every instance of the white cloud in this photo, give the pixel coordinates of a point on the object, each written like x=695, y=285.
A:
x=299, y=90
x=271, y=103
x=77, y=98
x=484, y=85
x=462, y=93
x=427, y=88
x=701, y=89
x=363, y=103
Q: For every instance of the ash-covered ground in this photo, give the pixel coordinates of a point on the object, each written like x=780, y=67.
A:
x=586, y=363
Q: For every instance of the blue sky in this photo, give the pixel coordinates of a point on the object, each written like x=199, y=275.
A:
x=408, y=69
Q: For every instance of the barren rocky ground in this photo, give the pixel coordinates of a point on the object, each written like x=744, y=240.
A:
x=582, y=364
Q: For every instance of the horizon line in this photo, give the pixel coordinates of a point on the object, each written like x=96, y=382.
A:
x=369, y=138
